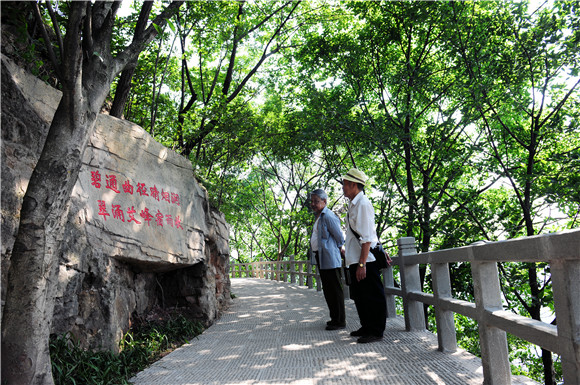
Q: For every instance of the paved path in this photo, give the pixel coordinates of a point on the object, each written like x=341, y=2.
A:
x=274, y=334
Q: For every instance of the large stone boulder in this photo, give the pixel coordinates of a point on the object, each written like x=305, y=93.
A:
x=140, y=232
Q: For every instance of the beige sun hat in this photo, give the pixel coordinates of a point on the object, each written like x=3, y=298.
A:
x=356, y=175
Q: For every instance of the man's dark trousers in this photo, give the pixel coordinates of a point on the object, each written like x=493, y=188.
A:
x=369, y=299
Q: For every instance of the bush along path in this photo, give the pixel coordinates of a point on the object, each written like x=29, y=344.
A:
x=146, y=342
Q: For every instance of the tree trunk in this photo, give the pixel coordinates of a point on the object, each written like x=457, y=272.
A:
x=87, y=71
x=124, y=85
x=32, y=278
x=27, y=316
x=122, y=93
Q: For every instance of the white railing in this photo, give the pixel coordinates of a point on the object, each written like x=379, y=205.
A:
x=300, y=272
x=560, y=250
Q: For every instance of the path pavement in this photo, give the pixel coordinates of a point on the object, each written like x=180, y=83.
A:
x=274, y=334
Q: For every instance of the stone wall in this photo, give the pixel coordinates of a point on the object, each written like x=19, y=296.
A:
x=140, y=233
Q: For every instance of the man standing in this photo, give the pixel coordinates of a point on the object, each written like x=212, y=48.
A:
x=325, y=244
x=366, y=287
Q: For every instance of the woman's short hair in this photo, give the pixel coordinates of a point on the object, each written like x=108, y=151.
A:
x=320, y=193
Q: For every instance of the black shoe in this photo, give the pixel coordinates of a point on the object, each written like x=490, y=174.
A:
x=358, y=333
x=335, y=327
x=368, y=339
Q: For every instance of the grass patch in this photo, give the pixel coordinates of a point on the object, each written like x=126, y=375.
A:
x=145, y=343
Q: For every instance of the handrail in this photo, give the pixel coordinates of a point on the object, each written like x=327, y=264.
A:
x=282, y=271
x=560, y=250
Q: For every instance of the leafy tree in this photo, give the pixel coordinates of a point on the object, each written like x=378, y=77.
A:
x=85, y=67
x=403, y=105
x=520, y=75
x=464, y=114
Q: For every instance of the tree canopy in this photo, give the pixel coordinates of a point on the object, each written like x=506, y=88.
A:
x=464, y=114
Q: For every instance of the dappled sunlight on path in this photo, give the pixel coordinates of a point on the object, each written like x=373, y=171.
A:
x=274, y=334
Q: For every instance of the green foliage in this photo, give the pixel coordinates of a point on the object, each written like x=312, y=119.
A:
x=72, y=364
x=141, y=346
x=467, y=334
x=464, y=114
x=526, y=360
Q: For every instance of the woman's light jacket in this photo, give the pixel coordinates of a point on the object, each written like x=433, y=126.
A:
x=330, y=240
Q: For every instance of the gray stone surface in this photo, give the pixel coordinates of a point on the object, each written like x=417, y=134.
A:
x=274, y=334
x=115, y=266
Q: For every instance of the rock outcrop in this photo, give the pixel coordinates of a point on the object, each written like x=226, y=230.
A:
x=140, y=232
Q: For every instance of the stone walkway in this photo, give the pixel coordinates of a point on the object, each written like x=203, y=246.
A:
x=274, y=334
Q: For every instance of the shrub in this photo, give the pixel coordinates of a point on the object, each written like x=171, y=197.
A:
x=144, y=344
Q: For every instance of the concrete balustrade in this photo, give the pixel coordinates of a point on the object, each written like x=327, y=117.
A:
x=560, y=250
x=283, y=271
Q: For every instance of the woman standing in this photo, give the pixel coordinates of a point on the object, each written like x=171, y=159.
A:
x=325, y=244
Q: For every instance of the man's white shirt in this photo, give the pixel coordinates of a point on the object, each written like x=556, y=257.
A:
x=361, y=216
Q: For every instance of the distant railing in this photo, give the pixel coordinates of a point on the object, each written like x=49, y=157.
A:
x=300, y=272
x=560, y=250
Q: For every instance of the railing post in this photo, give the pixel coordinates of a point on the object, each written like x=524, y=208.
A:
x=272, y=270
x=566, y=286
x=410, y=282
x=262, y=268
x=446, y=335
x=492, y=340
x=309, y=275
x=292, y=269
x=389, y=282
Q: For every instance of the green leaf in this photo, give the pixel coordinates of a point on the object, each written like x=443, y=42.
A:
x=171, y=25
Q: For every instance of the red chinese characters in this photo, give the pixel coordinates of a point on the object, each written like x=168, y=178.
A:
x=96, y=179
x=141, y=189
x=131, y=212
x=146, y=215
x=112, y=183
x=103, y=209
x=116, y=211
x=165, y=196
x=154, y=193
x=128, y=187
x=175, y=199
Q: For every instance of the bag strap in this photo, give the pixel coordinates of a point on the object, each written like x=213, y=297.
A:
x=357, y=235
x=389, y=260
x=351, y=229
